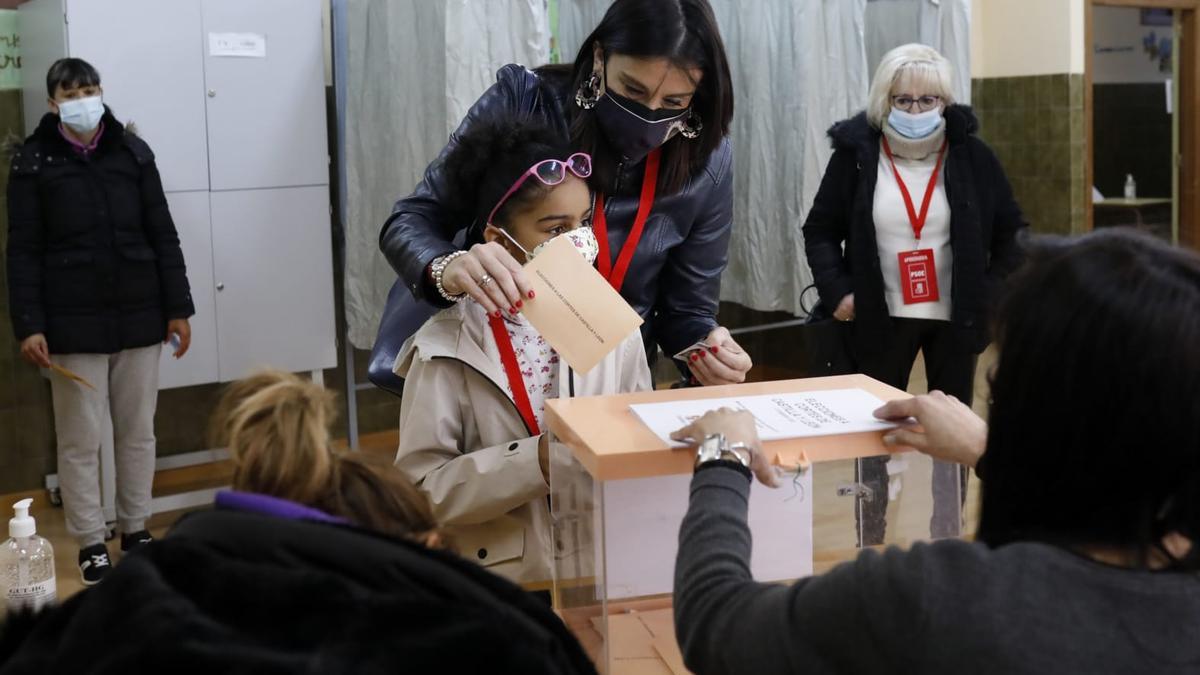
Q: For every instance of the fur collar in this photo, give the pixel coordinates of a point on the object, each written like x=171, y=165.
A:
x=50, y=138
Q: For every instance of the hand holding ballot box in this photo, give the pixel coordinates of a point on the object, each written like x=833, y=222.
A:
x=620, y=487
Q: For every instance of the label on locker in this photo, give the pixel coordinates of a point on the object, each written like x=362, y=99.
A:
x=244, y=45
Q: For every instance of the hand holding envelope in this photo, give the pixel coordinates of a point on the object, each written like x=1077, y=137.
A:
x=71, y=375
x=574, y=308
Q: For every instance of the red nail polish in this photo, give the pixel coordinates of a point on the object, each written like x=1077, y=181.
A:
x=497, y=314
x=520, y=304
x=703, y=354
x=512, y=310
x=714, y=349
x=695, y=357
x=531, y=295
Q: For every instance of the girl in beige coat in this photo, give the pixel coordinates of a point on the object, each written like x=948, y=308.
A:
x=472, y=415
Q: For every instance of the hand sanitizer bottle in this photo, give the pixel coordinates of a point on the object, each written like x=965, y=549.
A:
x=1130, y=187
x=26, y=564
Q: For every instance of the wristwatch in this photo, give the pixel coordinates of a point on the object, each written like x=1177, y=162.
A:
x=715, y=448
x=437, y=268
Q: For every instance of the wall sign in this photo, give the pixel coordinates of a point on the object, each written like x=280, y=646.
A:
x=243, y=45
x=10, y=50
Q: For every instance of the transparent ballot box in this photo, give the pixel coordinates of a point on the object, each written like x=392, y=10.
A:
x=618, y=493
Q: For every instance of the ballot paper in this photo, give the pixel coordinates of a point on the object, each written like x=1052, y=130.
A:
x=574, y=308
x=801, y=414
x=685, y=354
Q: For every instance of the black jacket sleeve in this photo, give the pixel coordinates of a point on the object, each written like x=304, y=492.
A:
x=26, y=247
x=690, y=281
x=423, y=224
x=1004, y=248
x=160, y=232
x=826, y=229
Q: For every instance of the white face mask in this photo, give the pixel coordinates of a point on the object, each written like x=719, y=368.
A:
x=583, y=238
x=81, y=115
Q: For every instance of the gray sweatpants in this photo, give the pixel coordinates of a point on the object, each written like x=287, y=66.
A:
x=126, y=390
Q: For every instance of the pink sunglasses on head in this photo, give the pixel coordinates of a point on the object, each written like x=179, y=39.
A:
x=550, y=172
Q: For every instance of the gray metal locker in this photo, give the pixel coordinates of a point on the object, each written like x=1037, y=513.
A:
x=266, y=114
x=272, y=277
x=201, y=364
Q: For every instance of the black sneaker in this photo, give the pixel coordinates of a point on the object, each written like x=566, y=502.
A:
x=93, y=564
x=134, y=540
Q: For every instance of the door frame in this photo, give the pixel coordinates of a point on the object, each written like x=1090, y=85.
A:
x=1187, y=107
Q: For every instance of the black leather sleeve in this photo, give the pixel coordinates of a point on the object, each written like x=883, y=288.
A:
x=423, y=225
x=690, y=281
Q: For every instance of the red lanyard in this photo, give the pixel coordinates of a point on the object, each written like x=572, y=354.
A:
x=616, y=273
x=918, y=221
x=513, y=370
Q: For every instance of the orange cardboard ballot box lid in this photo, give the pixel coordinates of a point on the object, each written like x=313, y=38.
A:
x=612, y=443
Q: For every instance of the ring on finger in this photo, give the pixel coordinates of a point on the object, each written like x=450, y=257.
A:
x=485, y=280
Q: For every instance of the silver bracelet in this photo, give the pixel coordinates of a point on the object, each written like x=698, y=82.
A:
x=438, y=269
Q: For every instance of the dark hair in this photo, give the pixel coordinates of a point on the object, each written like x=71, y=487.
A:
x=490, y=156
x=371, y=492
x=70, y=73
x=1094, y=429
x=686, y=33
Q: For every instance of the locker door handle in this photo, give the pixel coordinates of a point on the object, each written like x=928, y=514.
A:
x=220, y=287
x=212, y=93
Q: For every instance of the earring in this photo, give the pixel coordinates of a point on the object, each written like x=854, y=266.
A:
x=692, y=126
x=589, y=93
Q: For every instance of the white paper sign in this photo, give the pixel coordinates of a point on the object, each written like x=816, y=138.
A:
x=244, y=45
x=778, y=416
x=641, y=532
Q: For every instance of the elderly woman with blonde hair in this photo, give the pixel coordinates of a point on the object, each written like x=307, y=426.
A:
x=913, y=230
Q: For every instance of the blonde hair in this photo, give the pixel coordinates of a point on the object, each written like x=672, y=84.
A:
x=915, y=61
x=276, y=426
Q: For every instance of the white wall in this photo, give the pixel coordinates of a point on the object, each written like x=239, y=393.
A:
x=977, y=19
x=1120, y=56
x=327, y=33
x=1016, y=38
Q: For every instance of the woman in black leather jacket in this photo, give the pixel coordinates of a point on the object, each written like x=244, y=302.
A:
x=650, y=98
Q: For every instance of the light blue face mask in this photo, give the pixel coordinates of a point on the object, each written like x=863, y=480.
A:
x=915, y=126
x=81, y=115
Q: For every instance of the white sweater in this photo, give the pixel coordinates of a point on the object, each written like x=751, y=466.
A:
x=894, y=232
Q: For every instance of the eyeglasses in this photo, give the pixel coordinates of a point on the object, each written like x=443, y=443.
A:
x=924, y=103
x=550, y=172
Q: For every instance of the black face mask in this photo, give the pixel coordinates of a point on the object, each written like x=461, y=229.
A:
x=634, y=130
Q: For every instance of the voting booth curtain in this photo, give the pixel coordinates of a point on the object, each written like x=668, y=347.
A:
x=406, y=73
x=407, y=70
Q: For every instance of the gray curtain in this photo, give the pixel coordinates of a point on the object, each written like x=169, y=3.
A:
x=944, y=25
x=798, y=67
x=411, y=69
x=407, y=70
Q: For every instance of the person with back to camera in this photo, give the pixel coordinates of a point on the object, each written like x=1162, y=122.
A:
x=317, y=561
x=649, y=98
x=911, y=235
x=1086, y=557
x=472, y=418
